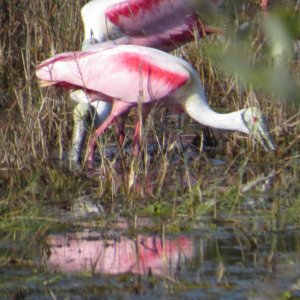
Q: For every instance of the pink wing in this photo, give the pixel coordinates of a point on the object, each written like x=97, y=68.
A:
x=127, y=73
x=161, y=24
x=148, y=17
x=170, y=38
x=144, y=16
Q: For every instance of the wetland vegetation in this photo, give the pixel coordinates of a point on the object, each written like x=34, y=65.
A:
x=208, y=214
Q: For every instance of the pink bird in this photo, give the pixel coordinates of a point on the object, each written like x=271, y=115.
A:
x=161, y=24
x=128, y=75
x=264, y=4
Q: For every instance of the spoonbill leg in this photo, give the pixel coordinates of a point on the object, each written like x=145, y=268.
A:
x=118, y=109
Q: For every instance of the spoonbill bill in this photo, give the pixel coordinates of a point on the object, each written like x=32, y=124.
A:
x=128, y=75
x=161, y=24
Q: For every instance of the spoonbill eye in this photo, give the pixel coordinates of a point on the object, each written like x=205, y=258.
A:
x=255, y=119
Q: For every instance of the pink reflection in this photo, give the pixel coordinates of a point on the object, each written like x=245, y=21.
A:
x=82, y=252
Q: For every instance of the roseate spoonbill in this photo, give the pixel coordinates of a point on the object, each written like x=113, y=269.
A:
x=264, y=4
x=162, y=24
x=128, y=75
x=165, y=24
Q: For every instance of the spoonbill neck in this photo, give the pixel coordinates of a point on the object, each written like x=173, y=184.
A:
x=197, y=107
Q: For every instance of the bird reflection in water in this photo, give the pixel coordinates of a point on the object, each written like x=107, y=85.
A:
x=90, y=252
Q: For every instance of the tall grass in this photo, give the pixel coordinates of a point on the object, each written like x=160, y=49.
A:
x=35, y=125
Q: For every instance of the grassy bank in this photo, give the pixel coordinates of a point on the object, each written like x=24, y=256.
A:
x=36, y=126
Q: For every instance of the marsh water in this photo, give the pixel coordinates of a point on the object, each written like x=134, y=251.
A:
x=90, y=251
x=205, y=262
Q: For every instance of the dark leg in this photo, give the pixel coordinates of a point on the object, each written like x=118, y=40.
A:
x=94, y=138
x=137, y=131
x=120, y=130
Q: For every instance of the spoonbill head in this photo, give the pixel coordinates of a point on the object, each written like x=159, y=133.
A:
x=86, y=111
x=256, y=125
x=128, y=75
